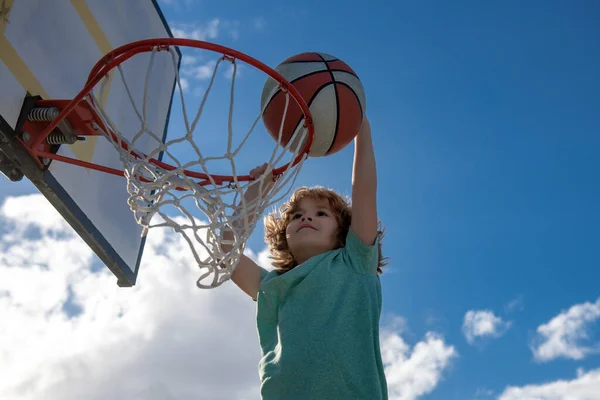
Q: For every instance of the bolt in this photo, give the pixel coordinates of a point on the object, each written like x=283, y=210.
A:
x=46, y=161
x=26, y=136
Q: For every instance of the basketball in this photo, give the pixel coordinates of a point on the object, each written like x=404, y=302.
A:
x=335, y=97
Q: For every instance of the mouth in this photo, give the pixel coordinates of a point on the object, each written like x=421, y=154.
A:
x=306, y=226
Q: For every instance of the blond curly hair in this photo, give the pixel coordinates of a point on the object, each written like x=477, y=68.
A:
x=276, y=223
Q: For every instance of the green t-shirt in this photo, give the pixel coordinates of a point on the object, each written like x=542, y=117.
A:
x=318, y=326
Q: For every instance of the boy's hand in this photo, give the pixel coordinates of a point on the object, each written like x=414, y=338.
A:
x=245, y=210
x=263, y=174
x=261, y=184
x=258, y=171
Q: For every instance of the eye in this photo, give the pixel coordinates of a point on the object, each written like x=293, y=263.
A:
x=321, y=214
x=296, y=216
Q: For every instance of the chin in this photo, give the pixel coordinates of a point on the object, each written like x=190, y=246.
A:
x=314, y=244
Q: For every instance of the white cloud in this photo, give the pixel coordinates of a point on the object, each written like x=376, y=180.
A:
x=199, y=91
x=397, y=324
x=198, y=64
x=483, y=393
x=20, y=213
x=202, y=72
x=515, y=304
x=229, y=71
x=184, y=84
x=207, y=31
x=479, y=324
x=414, y=372
x=264, y=260
x=585, y=387
x=205, y=71
x=177, y=3
x=565, y=335
x=68, y=332
x=188, y=60
x=162, y=339
x=192, y=74
x=259, y=24
x=232, y=28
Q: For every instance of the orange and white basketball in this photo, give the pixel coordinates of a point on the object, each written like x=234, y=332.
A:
x=335, y=97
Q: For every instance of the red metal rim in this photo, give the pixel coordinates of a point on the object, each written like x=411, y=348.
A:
x=121, y=54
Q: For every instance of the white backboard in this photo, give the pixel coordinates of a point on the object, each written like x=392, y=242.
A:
x=47, y=48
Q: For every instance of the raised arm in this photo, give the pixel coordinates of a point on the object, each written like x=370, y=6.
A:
x=247, y=273
x=364, y=187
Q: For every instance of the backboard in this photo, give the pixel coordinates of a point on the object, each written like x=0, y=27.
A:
x=47, y=49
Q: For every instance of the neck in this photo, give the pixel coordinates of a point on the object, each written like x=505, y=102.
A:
x=302, y=256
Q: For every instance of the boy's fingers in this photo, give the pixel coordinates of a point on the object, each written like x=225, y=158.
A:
x=256, y=172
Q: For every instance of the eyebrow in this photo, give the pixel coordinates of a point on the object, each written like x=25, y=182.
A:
x=318, y=208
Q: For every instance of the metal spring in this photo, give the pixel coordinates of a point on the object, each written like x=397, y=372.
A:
x=57, y=137
x=43, y=114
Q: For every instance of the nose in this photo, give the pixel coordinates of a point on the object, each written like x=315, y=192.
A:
x=304, y=218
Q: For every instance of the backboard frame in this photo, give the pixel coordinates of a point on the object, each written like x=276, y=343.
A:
x=18, y=163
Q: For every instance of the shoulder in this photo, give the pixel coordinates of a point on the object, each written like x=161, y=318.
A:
x=267, y=275
x=361, y=257
x=355, y=244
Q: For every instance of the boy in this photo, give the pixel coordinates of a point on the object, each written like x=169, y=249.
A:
x=318, y=311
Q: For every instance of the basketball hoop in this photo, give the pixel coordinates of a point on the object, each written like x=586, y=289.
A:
x=185, y=185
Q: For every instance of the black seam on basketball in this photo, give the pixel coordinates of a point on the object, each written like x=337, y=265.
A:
x=343, y=71
x=328, y=70
x=270, y=100
x=299, y=79
x=355, y=95
x=324, y=71
x=337, y=105
x=309, y=102
x=309, y=61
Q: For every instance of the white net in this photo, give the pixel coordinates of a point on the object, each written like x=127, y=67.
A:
x=213, y=215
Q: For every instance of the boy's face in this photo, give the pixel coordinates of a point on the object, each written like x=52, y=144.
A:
x=312, y=227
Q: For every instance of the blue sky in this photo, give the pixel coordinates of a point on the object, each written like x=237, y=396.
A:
x=485, y=121
x=486, y=127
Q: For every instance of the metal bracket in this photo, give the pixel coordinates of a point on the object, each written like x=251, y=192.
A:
x=9, y=169
x=15, y=161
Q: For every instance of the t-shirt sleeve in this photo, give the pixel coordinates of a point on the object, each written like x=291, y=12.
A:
x=263, y=273
x=361, y=257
